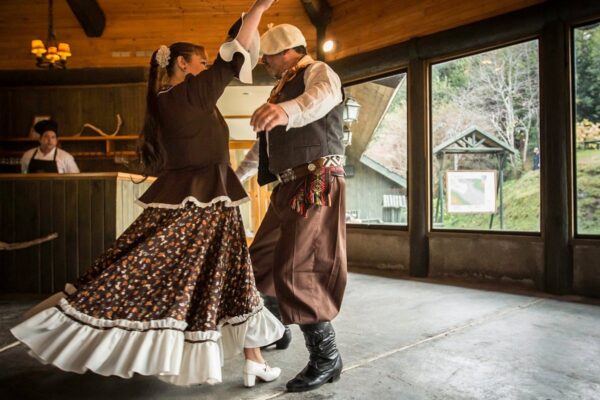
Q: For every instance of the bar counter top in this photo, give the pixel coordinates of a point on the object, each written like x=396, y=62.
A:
x=83, y=175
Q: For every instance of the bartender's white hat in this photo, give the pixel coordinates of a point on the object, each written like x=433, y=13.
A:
x=281, y=37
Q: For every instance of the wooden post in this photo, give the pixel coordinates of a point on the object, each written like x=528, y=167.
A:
x=319, y=13
x=418, y=156
x=555, y=149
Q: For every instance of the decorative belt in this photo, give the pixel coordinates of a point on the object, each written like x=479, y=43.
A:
x=291, y=174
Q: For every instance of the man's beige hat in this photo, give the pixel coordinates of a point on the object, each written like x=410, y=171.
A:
x=280, y=38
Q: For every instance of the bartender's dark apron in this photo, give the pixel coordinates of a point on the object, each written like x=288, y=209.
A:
x=42, y=165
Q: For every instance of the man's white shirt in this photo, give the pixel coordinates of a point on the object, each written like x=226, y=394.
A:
x=323, y=91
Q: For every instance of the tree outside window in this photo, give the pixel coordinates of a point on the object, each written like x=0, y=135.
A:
x=485, y=117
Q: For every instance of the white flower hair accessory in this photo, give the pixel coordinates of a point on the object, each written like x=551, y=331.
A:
x=163, y=55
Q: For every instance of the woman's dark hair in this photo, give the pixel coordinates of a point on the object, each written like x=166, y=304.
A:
x=149, y=147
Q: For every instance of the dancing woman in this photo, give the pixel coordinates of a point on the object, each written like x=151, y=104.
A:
x=175, y=294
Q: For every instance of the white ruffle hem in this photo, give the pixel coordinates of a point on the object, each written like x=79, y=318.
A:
x=76, y=342
x=191, y=199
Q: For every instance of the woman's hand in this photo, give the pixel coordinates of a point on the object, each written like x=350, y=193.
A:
x=251, y=21
x=264, y=5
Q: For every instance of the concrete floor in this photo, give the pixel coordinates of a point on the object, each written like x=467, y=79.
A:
x=400, y=339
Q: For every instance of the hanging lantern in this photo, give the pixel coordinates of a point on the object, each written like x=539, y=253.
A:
x=351, y=110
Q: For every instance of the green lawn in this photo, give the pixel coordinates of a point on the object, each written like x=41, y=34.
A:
x=522, y=201
x=521, y=208
x=588, y=191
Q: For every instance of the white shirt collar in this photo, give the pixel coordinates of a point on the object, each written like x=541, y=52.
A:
x=49, y=155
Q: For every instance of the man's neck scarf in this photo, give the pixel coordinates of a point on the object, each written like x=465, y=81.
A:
x=288, y=75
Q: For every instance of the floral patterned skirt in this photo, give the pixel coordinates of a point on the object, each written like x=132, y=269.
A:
x=174, y=296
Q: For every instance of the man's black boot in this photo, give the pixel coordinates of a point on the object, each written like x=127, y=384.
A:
x=273, y=306
x=325, y=362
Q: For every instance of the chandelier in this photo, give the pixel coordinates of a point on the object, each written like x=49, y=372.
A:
x=50, y=55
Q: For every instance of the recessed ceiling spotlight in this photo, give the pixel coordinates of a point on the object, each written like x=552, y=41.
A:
x=328, y=46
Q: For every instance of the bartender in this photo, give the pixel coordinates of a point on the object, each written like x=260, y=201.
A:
x=47, y=157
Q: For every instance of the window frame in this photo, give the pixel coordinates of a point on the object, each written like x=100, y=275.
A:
x=384, y=227
x=456, y=56
x=573, y=97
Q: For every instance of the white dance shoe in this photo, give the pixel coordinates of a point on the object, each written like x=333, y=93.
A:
x=253, y=370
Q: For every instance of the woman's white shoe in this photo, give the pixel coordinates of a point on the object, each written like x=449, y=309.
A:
x=252, y=370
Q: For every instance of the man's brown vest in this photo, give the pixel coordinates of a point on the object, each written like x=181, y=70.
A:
x=288, y=149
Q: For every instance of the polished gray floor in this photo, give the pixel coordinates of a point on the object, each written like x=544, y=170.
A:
x=400, y=339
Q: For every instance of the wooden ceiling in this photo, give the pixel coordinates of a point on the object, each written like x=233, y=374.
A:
x=131, y=26
x=135, y=27
x=360, y=25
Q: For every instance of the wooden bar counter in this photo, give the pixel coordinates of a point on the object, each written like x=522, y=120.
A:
x=87, y=211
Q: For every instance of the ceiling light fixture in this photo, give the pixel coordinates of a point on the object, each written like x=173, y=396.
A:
x=328, y=46
x=50, y=55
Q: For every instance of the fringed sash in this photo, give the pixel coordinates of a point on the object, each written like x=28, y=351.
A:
x=314, y=189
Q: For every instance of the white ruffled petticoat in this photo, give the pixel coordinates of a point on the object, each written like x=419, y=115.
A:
x=76, y=342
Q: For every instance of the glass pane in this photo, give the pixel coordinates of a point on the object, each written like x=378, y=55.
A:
x=376, y=152
x=587, y=128
x=485, y=141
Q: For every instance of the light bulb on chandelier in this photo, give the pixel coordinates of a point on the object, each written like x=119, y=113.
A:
x=50, y=55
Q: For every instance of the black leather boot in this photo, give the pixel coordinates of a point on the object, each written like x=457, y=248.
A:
x=325, y=363
x=273, y=306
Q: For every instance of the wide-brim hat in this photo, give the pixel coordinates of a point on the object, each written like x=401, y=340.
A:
x=281, y=37
x=46, y=125
x=253, y=51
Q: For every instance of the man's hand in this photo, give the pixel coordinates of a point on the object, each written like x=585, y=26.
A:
x=267, y=117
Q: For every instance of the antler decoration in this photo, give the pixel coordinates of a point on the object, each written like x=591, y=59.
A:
x=100, y=131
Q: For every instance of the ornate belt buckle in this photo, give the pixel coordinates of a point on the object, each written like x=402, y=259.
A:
x=286, y=176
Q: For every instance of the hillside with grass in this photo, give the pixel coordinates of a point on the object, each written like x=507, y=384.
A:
x=522, y=201
x=521, y=208
x=588, y=191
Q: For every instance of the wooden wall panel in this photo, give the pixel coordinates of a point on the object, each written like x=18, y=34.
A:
x=84, y=225
x=7, y=234
x=72, y=107
x=81, y=210
x=71, y=230
x=97, y=198
x=110, y=212
x=360, y=26
x=59, y=245
x=131, y=26
x=27, y=218
x=46, y=258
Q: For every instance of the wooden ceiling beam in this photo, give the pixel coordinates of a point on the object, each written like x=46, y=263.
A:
x=90, y=16
x=319, y=12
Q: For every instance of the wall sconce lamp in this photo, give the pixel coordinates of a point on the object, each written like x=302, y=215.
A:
x=350, y=115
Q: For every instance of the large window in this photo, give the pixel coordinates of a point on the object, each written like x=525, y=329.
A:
x=376, y=152
x=587, y=128
x=485, y=141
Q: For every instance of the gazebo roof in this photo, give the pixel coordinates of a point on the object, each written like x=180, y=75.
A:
x=474, y=140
